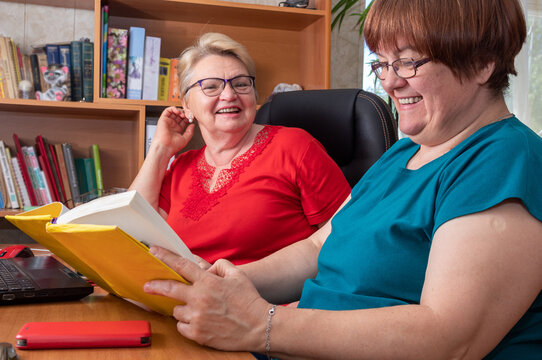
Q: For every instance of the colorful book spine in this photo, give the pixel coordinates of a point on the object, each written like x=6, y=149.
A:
x=117, y=41
x=25, y=170
x=42, y=62
x=20, y=188
x=86, y=177
x=136, y=51
x=174, y=81
x=25, y=194
x=87, y=58
x=34, y=175
x=53, y=54
x=15, y=51
x=72, y=173
x=63, y=170
x=45, y=165
x=77, y=70
x=65, y=60
x=151, y=68
x=9, y=73
x=94, y=151
x=8, y=179
x=36, y=73
x=105, y=26
x=163, y=79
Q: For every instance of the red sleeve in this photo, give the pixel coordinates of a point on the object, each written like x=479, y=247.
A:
x=321, y=182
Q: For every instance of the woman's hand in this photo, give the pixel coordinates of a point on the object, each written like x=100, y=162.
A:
x=223, y=309
x=173, y=130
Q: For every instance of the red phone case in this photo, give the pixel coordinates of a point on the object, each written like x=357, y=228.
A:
x=84, y=334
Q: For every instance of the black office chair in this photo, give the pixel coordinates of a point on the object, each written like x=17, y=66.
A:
x=356, y=127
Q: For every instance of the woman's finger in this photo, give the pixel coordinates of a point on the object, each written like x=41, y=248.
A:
x=189, y=270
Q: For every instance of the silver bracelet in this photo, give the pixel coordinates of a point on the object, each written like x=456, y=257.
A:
x=268, y=331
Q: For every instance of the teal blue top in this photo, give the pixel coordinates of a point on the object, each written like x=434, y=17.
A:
x=377, y=252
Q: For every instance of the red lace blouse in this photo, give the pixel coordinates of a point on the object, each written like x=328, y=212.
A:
x=273, y=195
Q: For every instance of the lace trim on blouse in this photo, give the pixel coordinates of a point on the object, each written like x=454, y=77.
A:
x=202, y=198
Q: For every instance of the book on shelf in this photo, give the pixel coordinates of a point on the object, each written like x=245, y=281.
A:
x=64, y=52
x=117, y=41
x=45, y=160
x=9, y=181
x=163, y=78
x=151, y=67
x=72, y=173
x=150, y=129
x=77, y=70
x=125, y=224
x=4, y=193
x=87, y=58
x=86, y=177
x=174, y=81
x=24, y=170
x=105, y=26
x=55, y=164
x=53, y=54
x=36, y=175
x=63, y=169
x=94, y=152
x=9, y=68
x=136, y=51
x=21, y=185
x=42, y=62
x=15, y=52
x=20, y=189
x=4, y=89
x=36, y=73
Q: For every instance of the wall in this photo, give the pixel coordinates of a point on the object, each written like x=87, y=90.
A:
x=30, y=24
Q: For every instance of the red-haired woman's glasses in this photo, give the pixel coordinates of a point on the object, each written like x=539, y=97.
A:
x=404, y=68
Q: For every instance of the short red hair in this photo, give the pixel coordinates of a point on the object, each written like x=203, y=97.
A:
x=464, y=35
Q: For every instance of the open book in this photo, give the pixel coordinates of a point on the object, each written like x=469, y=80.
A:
x=107, y=240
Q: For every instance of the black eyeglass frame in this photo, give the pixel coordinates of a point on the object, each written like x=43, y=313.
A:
x=377, y=65
x=252, y=80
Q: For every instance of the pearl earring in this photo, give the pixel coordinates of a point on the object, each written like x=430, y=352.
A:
x=190, y=119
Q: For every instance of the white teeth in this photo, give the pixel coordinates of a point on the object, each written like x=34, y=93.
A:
x=410, y=100
x=228, y=110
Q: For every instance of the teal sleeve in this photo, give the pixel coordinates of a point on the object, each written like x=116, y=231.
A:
x=485, y=174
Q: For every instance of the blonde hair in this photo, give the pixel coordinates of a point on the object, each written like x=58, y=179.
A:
x=210, y=44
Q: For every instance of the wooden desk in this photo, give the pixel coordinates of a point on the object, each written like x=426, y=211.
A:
x=167, y=343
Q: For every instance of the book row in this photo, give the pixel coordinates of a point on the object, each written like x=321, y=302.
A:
x=42, y=173
x=132, y=67
x=53, y=72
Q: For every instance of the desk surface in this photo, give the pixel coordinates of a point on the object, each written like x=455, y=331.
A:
x=167, y=343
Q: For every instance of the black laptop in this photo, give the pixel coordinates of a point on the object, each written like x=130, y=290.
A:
x=39, y=279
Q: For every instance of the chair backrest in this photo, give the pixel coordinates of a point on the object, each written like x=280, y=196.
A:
x=356, y=127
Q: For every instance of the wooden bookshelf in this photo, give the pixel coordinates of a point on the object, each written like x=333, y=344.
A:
x=119, y=131
x=288, y=45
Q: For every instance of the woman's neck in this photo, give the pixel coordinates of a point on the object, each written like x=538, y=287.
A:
x=221, y=151
x=427, y=153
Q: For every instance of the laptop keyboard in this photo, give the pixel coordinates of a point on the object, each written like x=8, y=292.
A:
x=12, y=278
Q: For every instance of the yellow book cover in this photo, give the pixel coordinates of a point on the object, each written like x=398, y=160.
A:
x=107, y=240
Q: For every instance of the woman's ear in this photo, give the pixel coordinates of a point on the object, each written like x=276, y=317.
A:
x=485, y=72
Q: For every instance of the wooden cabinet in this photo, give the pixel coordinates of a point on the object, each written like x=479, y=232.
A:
x=288, y=45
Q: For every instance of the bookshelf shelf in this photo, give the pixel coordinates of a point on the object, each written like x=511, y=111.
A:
x=288, y=45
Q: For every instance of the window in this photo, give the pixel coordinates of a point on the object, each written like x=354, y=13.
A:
x=525, y=95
